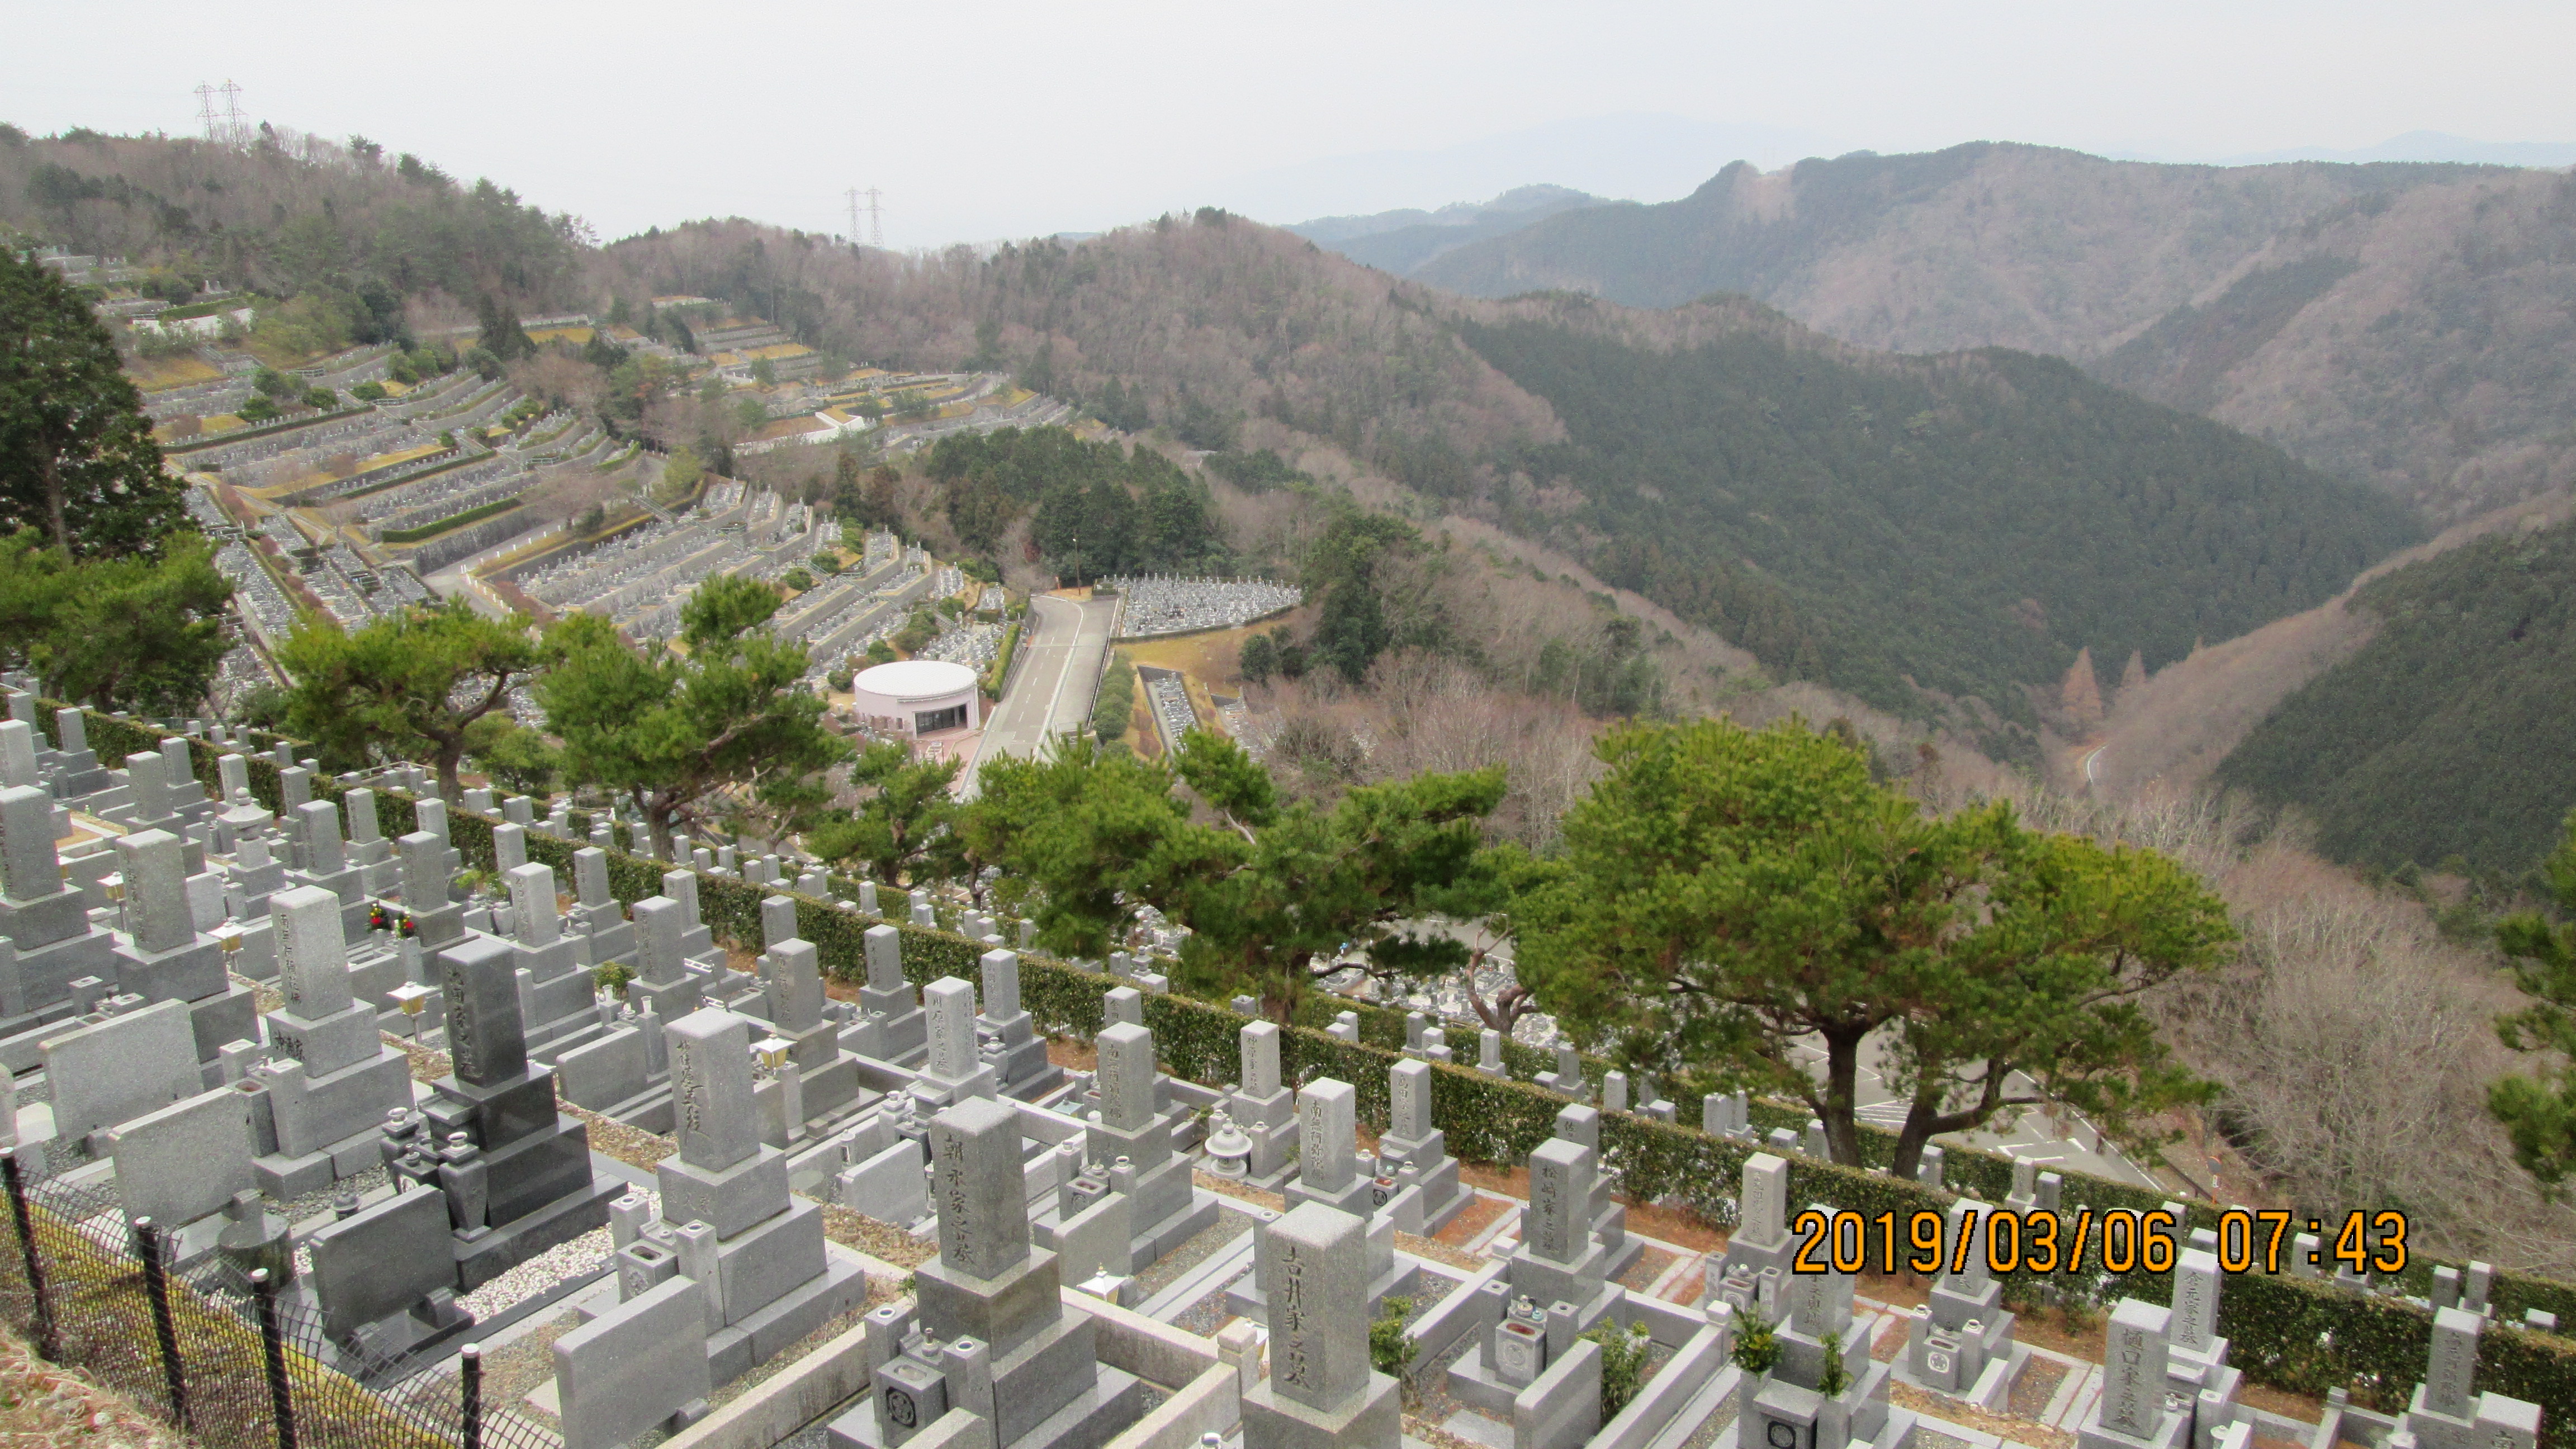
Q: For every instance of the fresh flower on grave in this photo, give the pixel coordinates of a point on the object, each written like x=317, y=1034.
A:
x=409, y=928
x=376, y=919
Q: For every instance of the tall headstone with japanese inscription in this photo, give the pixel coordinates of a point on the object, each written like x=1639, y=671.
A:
x=557, y=991
x=891, y=1026
x=1560, y=1259
x=1262, y=1105
x=952, y=1069
x=2446, y=1410
x=727, y=1217
x=995, y=1336
x=1017, y=1053
x=1328, y=1168
x=329, y=1078
x=2197, y=1372
x=1164, y=1209
x=1322, y=1392
x=46, y=921
x=2132, y=1412
x=1825, y=1390
x=1411, y=1141
x=160, y=955
x=520, y=1180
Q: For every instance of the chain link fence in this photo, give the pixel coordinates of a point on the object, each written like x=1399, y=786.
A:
x=228, y=1350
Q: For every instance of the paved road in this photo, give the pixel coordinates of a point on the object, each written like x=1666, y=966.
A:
x=1051, y=686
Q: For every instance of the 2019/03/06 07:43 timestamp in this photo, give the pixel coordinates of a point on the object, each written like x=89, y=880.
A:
x=2119, y=1241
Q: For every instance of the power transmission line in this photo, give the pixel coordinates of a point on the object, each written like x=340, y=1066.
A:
x=876, y=224
x=237, y=130
x=206, y=109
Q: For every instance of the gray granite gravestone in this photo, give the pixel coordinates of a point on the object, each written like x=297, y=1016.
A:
x=1164, y=1209
x=1410, y=1139
x=892, y=1027
x=2131, y=1411
x=1328, y=1163
x=1018, y=1055
x=330, y=1079
x=538, y=1188
x=163, y=956
x=767, y=1277
x=1321, y=1392
x=953, y=1069
x=1264, y=1108
x=998, y=1339
x=45, y=919
x=185, y=1161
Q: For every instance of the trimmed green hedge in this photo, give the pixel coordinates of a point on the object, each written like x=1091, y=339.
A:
x=180, y=446
x=2298, y=1334
x=438, y=526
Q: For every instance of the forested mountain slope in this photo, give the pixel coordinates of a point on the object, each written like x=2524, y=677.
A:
x=1962, y=525
x=2395, y=321
x=2449, y=732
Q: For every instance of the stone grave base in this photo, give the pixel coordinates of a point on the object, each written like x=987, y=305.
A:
x=1991, y=1386
x=515, y=1242
x=1149, y=1247
x=229, y=1015
x=1898, y=1432
x=1436, y=1218
x=1375, y=1416
x=284, y=1179
x=1623, y=1257
x=2172, y=1432
x=736, y=1350
x=22, y=1037
x=1471, y=1380
x=392, y=1338
x=1115, y=1400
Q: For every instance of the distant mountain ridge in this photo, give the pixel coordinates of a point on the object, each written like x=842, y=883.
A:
x=2400, y=322
x=2425, y=146
x=1401, y=241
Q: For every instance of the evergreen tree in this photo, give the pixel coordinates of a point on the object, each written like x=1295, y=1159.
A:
x=1726, y=898
x=673, y=732
x=2539, y=1112
x=501, y=335
x=77, y=459
x=426, y=683
x=123, y=632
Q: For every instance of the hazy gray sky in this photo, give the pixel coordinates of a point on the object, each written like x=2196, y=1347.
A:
x=994, y=119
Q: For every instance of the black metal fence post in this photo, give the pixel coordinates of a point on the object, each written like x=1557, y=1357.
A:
x=280, y=1397
x=148, y=1244
x=46, y=1347
x=471, y=1369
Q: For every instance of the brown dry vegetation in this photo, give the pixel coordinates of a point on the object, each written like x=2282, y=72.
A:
x=2353, y=1044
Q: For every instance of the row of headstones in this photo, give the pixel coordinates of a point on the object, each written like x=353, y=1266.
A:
x=940, y=1375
